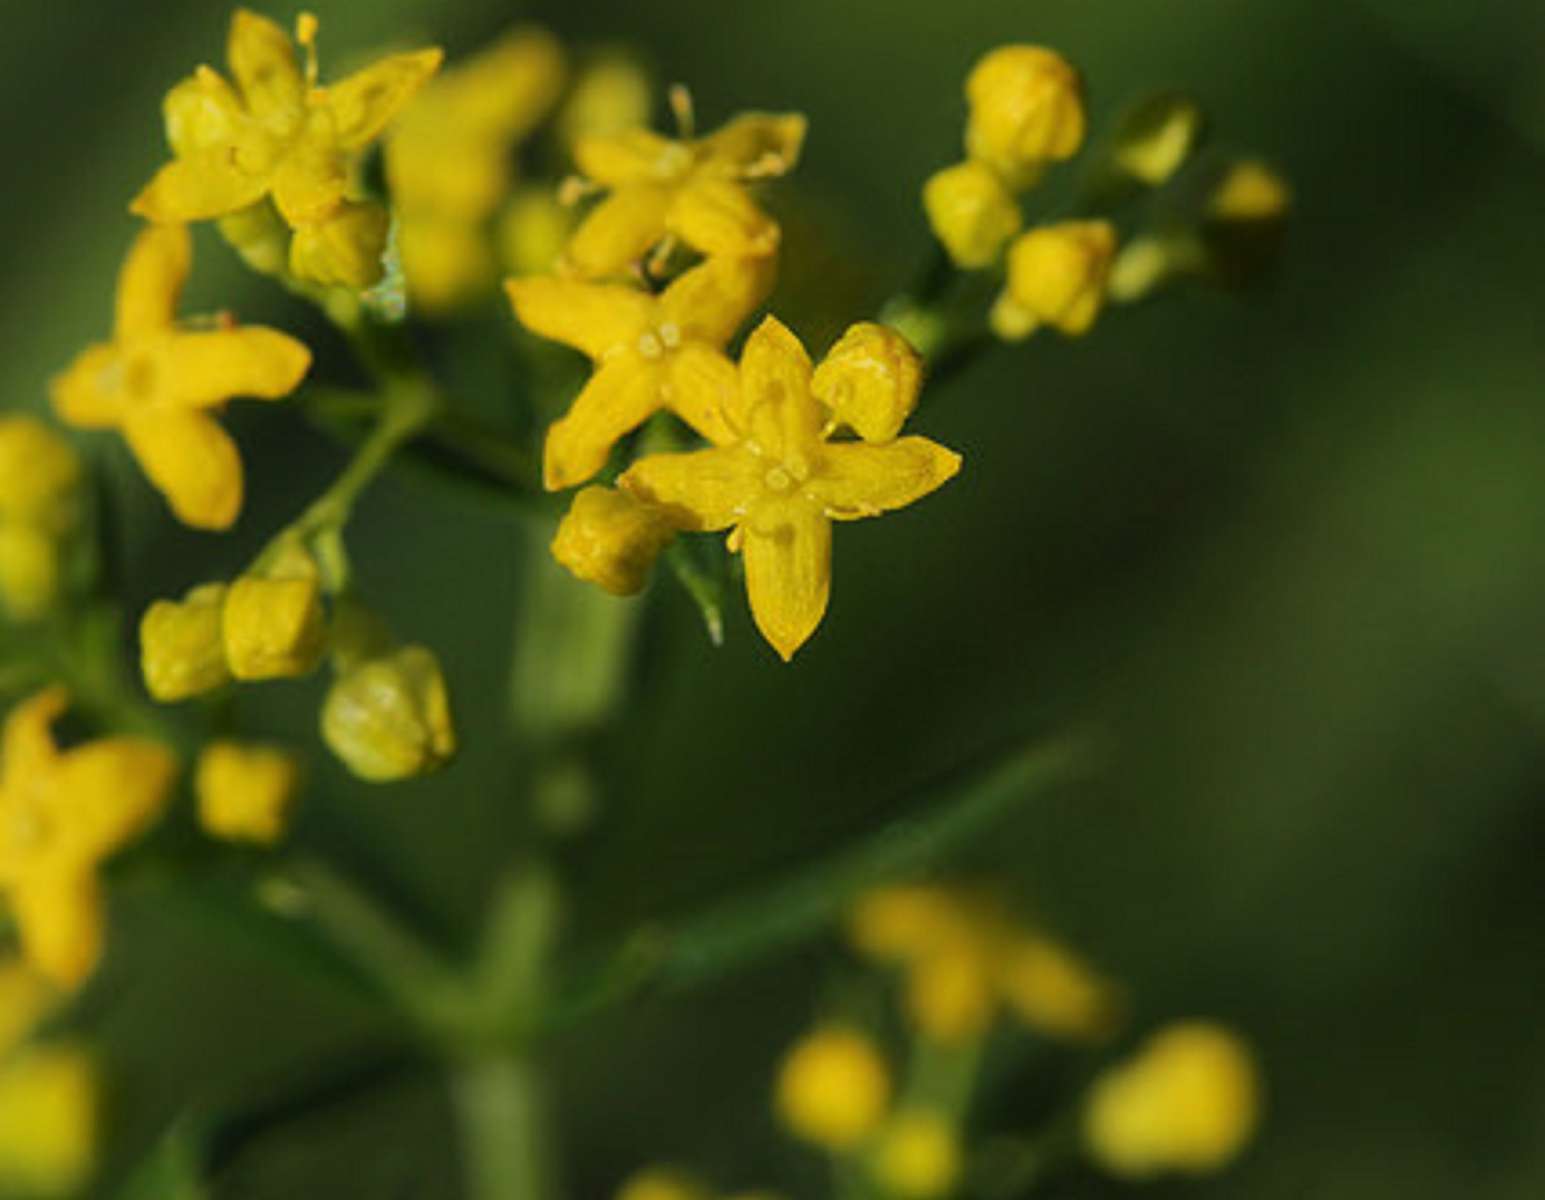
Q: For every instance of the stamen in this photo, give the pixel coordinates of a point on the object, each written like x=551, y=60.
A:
x=306, y=34
x=682, y=110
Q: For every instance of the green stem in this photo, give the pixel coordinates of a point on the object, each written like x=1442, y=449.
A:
x=503, y=1119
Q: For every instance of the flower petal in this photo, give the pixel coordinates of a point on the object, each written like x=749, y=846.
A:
x=106, y=792
x=596, y=318
x=198, y=188
x=719, y=217
x=151, y=280
x=59, y=916
x=89, y=392
x=365, y=103
x=758, y=143
x=712, y=300
x=870, y=380
x=262, y=59
x=619, y=231
x=774, y=407
x=622, y=394
x=699, y=490
x=192, y=461
x=27, y=743
x=788, y=575
x=205, y=369
x=201, y=113
x=862, y=480
x=701, y=385
x=635, y=156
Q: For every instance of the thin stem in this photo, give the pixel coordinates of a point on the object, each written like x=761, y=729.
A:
x=503, y=1119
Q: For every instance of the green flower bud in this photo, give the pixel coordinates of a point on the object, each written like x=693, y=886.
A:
x=389, y=718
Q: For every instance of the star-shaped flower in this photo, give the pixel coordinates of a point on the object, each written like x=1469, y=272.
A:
x=780, y=480
x=690, y=188
x=650, y=352
x=276, y=133
x=61, y=815
x=155, y=382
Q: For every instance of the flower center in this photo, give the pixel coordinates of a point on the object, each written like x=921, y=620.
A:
x=656, y=342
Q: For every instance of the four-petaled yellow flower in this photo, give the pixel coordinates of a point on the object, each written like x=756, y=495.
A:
x=650, y=352
x=62, y=814
x=156, y=382
x=277, y=134
x=690, y=189
x=780, y=481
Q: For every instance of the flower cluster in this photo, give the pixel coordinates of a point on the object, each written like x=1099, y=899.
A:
x=40, y=483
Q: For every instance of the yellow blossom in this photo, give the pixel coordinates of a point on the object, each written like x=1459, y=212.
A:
x=833, y=1088
x=1056, y=276
x=904, y=922
x=48, y=1120
x=780, y=483
x=182, y=644
x=157, y=383
x=1250, y=191
x=274, y=627
x=389, y=718
x=39, y=475
x=971, y=212
x=278, y=134
x=951, y=994
x=61, y=814
x=1052, y=991
x=1026, y=107
x=662, y=1183
x=610, y=96
x=650, y=352
x=611, y=539
x=1188, y=1101
x=918, y=1156
x=245, y=792
x=692, y=189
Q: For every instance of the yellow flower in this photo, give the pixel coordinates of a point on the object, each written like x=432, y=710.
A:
x=1057, y=276
x=951, y=993
x=157, y=383
x=780, y=482
x=662, y=1183
x=690, y=189
x=48, y=1120
x=610, y=96
x=182, y=645
x=833, y=1088
x=31, y=574
x=1189, y=1101
x=1026, y=106
x=1053, y=991
x=918, y=1156
x=278, y=134
x=1251, y=191
x=61, y=814
x=610, y=539
x=245, y=792
x=389, y=718
x=39, y=475
x=971, y=212
x=650, y=352
x=904, y=922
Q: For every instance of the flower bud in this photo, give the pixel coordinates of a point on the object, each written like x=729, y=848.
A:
x=662, y=1183
x=39, y=475
x=1245, y=222
x=1055, y=993
x=343, y=251
x=49, y=1095
x=1056, y=276
x=971, y=212
x=274, y=628
x=950, y=996
x=833, y=1088
x=1250, y=191
x=870, y=380
x=918, y=1156
x=611, y=539
x=260, y=236
x=389, y=718
x=1188, y=1101
x=182, y=645
x=1154, y=139
x=1027, y=106
x=246, y=792
x=903, y=922
x=30, y=570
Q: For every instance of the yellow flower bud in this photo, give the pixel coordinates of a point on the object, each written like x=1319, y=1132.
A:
x=918, y=1156
x=245, y=792
x=274, y=628
x=30, y=574
x=39, y=475
x=1189, y=1101
x=662, y=1183
x=48, y=1120
x=1155, y=139
x=182, y=644
x=870, y=380
x=1146, y=263
x=533, y=230
x=950, y=995
x=1251, y=191
x=1057, y=275
x=344, y=250
x=611, y=96
x=25, y=998
x=611, y=539
x=971, y=212
x=260, y=236
x=833, y=1088
x=1052, y=991
x=903, y=922
x=1026, y=106
x=389, y=718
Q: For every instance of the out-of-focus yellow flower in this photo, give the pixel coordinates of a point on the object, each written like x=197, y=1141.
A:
x=157, y=384
x=1250, y=191
x=693, y=189
x=780, y=483
x=61, y=814
x=1157, y=137
x=48, y=1120
x=25, y=998
x=278, y=134
x=611, y=539
x=273, y=623
x=389, y=718
x=245, y=792
x=1052, y=991
x=833, y=1088
x=904, y=922
x=651, y=352
x=1188, y=1101
x=31, y=575
x=1026, y=107
x=611, y=95
x=971, y=212
x=1056, y=276
x=951, y=992
x=182, y=644
x=918, y=1155
x=662, y=1183
x=39, y=475
x=533, y=230
x=870, y=381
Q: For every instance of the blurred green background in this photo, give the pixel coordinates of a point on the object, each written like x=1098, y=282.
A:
x=1286, y=551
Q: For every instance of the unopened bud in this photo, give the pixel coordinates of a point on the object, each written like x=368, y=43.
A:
x=1027, y=106
x=971, y=212
x=182, y=646
x=389, y=718
x=870, y=380
x=611, y=539
x=1056, y=276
